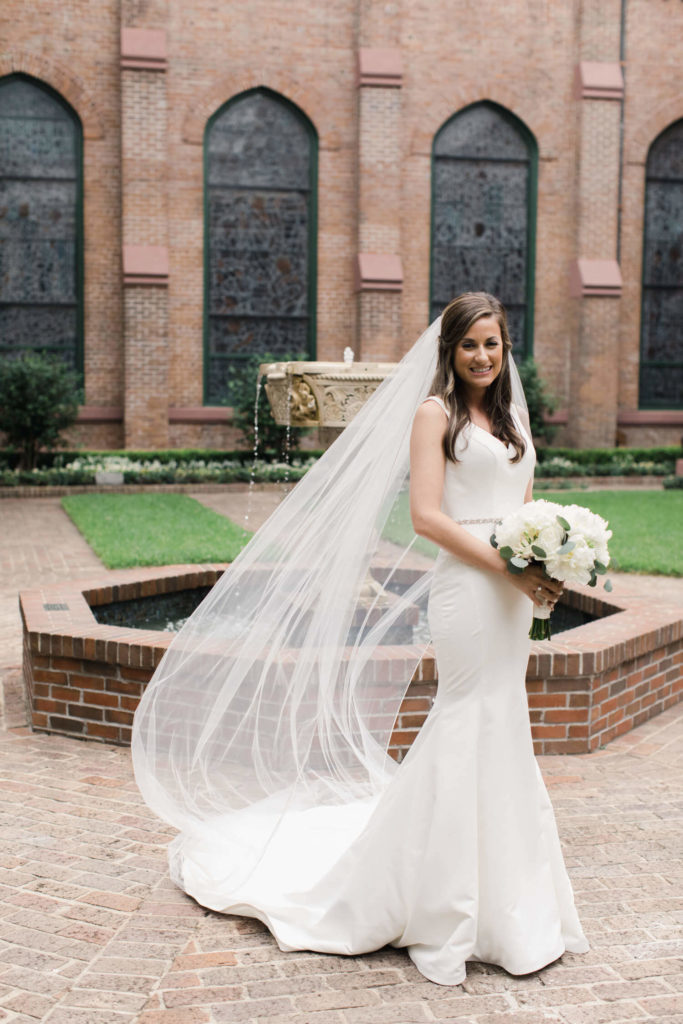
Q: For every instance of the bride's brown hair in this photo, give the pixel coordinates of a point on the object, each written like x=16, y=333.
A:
x=456, y=320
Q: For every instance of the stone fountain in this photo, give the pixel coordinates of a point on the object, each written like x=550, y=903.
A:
x=326, y=395
x=319, y=394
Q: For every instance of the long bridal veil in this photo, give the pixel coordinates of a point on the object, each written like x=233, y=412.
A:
x=280, y=693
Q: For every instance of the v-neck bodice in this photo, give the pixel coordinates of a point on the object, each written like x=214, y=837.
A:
x=485, y=482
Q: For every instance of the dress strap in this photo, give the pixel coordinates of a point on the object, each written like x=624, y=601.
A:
x=439, y=401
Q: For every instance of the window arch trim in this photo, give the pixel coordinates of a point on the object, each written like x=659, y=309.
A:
x=655, y=178
x=79, y=276
x=532, y=203
x=312, y=234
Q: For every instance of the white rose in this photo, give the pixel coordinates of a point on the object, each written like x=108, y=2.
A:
x=573, y=566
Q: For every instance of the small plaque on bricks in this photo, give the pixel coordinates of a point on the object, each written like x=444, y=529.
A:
x=56, y=607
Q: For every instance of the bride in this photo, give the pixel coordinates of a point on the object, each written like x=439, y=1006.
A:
x=263, y=734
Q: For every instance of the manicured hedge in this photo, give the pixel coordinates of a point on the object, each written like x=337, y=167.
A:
x=9, y=459
x=191, y=465
x=564, y=462
x=599, y=456
x=83, y=471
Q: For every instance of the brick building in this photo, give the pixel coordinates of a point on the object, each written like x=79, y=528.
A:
x=186, y=181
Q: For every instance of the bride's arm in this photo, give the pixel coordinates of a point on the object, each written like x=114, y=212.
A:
x=427, y=473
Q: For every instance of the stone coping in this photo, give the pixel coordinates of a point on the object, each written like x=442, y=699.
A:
x=58, y=620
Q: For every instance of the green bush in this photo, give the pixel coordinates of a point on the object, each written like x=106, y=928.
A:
x=53, y=477
x=163, y=455
x=39, y=398
x=146, y=470
x=564, y=462
x=539, y=401
x=272, y=438
x=552, y=485
x=599, y=456
x=54, y=461
x=673, y=483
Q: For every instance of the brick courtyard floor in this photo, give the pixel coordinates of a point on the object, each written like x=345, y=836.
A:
x=93, y=932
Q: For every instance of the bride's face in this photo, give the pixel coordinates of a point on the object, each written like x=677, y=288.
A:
x=479, y=355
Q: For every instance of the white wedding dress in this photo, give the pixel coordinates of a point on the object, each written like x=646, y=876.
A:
x=458, y=858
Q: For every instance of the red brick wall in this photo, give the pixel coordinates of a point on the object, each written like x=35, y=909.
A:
x=653, y=101
x=579, y=713
x=74, y=48
x=86, y=698
x=79, y=696
x=519, y=54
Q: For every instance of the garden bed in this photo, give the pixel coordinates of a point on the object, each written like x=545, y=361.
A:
x=62, y=490
x=198, y=468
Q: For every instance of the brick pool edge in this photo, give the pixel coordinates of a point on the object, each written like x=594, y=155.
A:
x=591, y=684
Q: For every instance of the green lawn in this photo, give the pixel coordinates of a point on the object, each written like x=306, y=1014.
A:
x=165, y=529
x=646, y=526
x=398, y=528
x=153, y=529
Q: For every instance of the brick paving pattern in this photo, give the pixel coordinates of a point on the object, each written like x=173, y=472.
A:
x=94, y=932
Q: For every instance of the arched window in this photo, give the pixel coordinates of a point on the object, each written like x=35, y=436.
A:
x=484, y=172
x=260, y=206
x=41, y=246
x=661, y=344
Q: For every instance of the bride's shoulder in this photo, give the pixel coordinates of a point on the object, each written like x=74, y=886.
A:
x=431, y=402
x=429, y=421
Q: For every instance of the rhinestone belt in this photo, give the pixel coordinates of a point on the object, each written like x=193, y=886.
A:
x=467, y=522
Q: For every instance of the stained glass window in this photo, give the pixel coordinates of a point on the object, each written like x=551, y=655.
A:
x=483, y=213
x=661, y=350
x=261, y=167
x=40, y=232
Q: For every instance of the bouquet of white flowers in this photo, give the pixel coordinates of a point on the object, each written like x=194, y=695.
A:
x=569, y=541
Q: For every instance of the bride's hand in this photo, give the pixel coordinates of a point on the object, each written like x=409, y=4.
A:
x=534, y=582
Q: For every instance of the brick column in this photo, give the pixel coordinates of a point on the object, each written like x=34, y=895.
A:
x=145, y=253
x=595, y=279
x=379, y=277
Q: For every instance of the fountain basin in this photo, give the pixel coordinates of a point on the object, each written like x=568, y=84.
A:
x=585, y=687
x=316, y=394
x=169, y=612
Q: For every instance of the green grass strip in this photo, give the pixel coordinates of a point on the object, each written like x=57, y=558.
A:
x=645, y=525
x=153, y=529
x=399, y=528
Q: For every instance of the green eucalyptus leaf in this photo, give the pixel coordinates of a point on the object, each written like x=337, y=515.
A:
x=568, y=546
x=521, y=563
x=538, y=551
x=493, y=541
x=563, y=523
x=515, y=570
x=608, y=585
x=600, y=568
